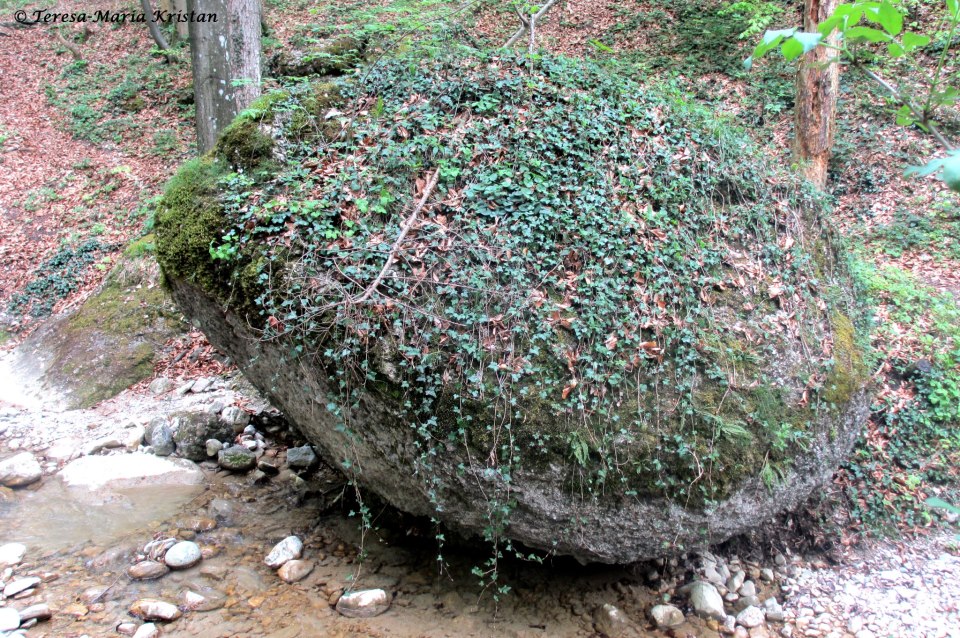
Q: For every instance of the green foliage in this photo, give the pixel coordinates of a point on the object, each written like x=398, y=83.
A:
x=56, y=278
x=758, y=15
x=913, y=443
x=936, y=232
x=686, y=37
x=97, y=98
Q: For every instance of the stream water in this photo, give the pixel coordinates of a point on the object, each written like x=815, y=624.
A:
x=82, y=543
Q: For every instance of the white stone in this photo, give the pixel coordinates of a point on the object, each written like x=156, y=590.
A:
x=124, y=471
x=751, y=617
x=666, y=616
x=289, y=548
x=12, y=553
x=19, y=585
x=152, y=609
x=367, y=603
x=147, y=630
x=9, y=619
x=20, y=470
x=183, y=555
x=295, y=570
x=706, y=601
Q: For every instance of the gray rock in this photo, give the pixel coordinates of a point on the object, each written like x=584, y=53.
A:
x=766, y=575
x=9, y=619
x=713, y=576
x=161, y=438
x=748, y=589
x=746, y=601
x=773, y=611
x=103, y=443
x=301, y=457
x=706, y=601
x=12, y=554
x=153, y=609
x=213, y=447
x=37, y=612
x=201, y=385
x=20, y=470
x=183, y=555
x=666, y=616
x=268, y=467
x=192, y=430
x=611, y=622
x=161, y=385
x=235, y=418
x=147, y=570
x=750, y=617
x=186, y=387
x=736, y=580
x=363, y=604
x=236, y=458
x=127, y=628
x=202, y=599
x=288, y=549
x=20, y=585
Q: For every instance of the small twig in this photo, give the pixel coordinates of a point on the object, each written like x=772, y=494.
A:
x=404, y=229
x=923, y=118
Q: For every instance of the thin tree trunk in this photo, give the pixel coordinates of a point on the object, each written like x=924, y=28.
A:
x=155, y=32
x=183, y=28
x=818, y=81
x=226, y=64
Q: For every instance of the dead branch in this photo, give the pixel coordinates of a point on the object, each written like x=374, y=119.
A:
x=404, y=229
x=529, y=25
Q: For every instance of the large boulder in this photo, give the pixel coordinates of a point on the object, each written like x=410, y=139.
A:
x=554, y=307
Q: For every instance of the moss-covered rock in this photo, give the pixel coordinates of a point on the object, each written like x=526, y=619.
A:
x=334, y=57
x=108, y=344
x=556, y=307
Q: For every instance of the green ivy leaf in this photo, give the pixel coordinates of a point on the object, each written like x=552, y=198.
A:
x=953, y=9
x=904, y=116
x=895, y=50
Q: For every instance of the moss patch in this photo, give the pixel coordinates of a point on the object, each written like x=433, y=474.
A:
x=849, y=372
x=110, y=342
x=244, y=145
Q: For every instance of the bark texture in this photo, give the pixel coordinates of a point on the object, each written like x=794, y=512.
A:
x=183, y=28
x=226, y=64
x=818, y=82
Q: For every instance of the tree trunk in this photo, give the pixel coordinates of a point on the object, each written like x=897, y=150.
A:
x=155, y=32
x=226, y=64
x=818, y=82
x=183, y=28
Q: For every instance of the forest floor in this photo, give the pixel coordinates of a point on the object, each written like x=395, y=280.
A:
x=87, y=144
